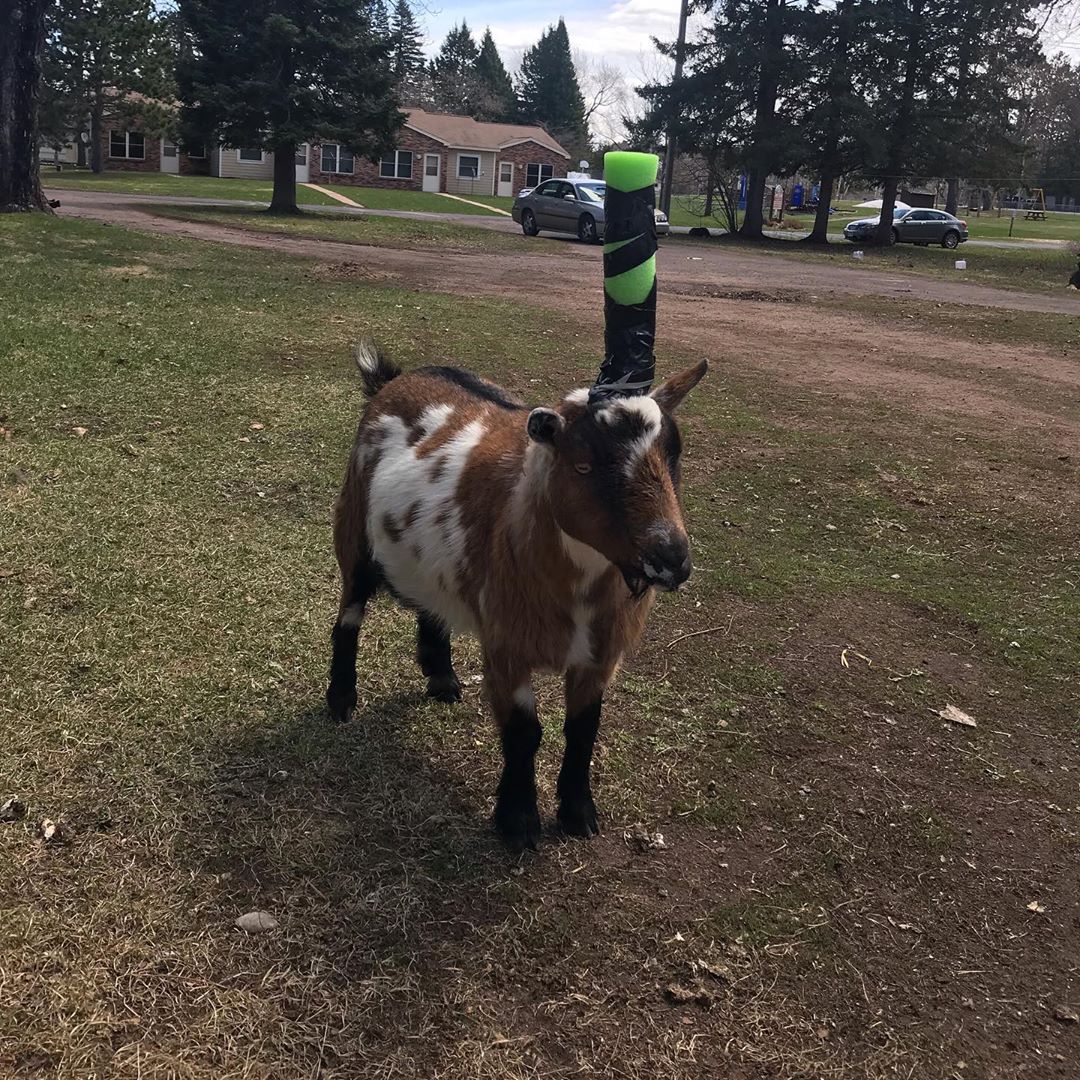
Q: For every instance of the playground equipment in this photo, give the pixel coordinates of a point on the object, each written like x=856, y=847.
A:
x=1036, y=205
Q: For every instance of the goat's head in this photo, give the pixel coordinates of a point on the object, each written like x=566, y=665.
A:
x=613, y=478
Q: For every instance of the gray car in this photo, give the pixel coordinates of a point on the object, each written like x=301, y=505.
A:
x=914, y=226
x=568, y=206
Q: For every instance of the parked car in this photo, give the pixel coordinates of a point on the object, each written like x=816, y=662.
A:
x=568, y=206
x=912, y=226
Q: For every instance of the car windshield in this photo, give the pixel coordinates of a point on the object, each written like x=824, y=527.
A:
x=898, y=213
x=592, y=192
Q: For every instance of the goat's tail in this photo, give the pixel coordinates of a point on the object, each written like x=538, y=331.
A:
x=376, y=370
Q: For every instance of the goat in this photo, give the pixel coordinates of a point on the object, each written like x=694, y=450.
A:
x=544, y=533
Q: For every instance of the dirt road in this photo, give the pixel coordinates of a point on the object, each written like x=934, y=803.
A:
x=767, y=313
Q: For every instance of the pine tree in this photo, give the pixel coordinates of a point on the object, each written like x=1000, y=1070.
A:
x=548, y=90
x=97, y=52
x=379, y=18
x=297, y=70
x=407, y=62
x=453, y=72
x=495, y=92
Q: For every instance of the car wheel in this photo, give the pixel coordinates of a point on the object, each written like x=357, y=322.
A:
x=586, y=229
x=528, y=223
x=951, y=239
x=894, y=236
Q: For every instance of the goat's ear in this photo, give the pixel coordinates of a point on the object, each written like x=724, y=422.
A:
x=544, y=425
x=670, y=393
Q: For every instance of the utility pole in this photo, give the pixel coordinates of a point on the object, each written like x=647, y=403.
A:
x=669, y=149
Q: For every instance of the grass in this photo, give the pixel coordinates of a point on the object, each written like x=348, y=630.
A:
x=356, y=229
x=687, y=210
x=1011, y=268
x=166, y=589
x=217, y=187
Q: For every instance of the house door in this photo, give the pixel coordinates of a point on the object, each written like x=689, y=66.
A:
x=506, y=179
x=170, y=157
x=432, y=165
x=303, y=172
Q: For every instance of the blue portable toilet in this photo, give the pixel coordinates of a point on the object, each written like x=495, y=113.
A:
x=797, y=196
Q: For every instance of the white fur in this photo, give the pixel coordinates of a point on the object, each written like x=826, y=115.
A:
x=587, y=559
x=578, y=397
x=580, y=652
x=401, y=479
x=649, y=411
x=352, y=615
x=525, y=698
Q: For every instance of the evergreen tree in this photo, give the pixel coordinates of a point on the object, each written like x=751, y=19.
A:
x=548, y=90
x=495, y=92
x=453, y=72
x=295, y=70
x=379, y=18
x=407, y=63
x=99, y=52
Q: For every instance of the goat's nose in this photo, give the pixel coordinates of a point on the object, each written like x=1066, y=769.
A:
x=667, y=563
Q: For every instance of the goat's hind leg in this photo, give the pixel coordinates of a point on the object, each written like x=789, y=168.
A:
x=359, y=582
x=433, y=656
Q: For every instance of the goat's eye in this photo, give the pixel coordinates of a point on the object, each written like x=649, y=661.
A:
x=583, y=467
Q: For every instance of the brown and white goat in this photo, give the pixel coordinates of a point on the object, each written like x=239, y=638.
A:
x=541, y=532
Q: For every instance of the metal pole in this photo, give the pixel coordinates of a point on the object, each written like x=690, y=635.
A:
x=669, y=149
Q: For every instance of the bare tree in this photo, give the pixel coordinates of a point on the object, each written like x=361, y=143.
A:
x=607, y=96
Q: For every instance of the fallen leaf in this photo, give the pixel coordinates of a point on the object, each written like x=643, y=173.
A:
x=130, y=450
x=80, y=431
x=1066, y=1014
x=1036, y=907
x=12, y=809
x=256, y=922
x=720, y=972
x=640, y=837
x=257, y=427
x=957, y=716
x=687, y=995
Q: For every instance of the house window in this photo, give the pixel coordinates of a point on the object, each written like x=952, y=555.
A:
x=127, y=144
x=251, y=154
x=468, y=166
x=196, y=150
x=537, y=174
x=397, y=165
x=337, y=159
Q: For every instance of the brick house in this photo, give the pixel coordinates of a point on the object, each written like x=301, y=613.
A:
x=453, y=154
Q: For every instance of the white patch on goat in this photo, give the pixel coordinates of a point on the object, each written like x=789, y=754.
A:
x=524, y=698
x=433, y=418
x=352, y=615
x=587, y=559
x=580, y=652
x=649, y=411
x=424, y=564
x=578, y=397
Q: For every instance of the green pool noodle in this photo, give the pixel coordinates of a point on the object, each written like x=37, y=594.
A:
x=629, y=274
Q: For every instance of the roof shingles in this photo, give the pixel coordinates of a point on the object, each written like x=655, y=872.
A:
x=463, y=132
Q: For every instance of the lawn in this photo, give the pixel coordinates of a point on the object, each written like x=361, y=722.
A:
x=359, y=229
x=845, y=884
x=686, y=210
x=1024, y=269
x=217, y=187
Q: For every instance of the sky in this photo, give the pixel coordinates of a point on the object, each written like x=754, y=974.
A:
x=621, y=31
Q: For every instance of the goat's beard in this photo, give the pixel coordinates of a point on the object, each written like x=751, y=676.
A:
x=635, y=580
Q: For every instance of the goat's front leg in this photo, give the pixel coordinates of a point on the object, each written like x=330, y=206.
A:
x=510, y=692
x=584, y=697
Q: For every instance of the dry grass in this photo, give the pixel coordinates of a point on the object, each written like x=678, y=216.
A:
x=839, y=874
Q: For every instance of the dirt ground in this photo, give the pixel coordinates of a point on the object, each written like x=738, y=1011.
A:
x=891, y=896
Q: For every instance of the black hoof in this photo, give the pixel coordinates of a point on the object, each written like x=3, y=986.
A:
x=444, y=688
x=577, y=817
x=341, y=706
x=518, y=827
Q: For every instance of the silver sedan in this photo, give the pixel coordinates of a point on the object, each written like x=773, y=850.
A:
x=568, y=206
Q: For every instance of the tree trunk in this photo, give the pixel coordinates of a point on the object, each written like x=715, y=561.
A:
x=898, y=145
x=97, y=123
x=764, y=119
x=952, y=195
x=22, y=33
x=284, y=200
x=753, y=222
x=820, y=232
